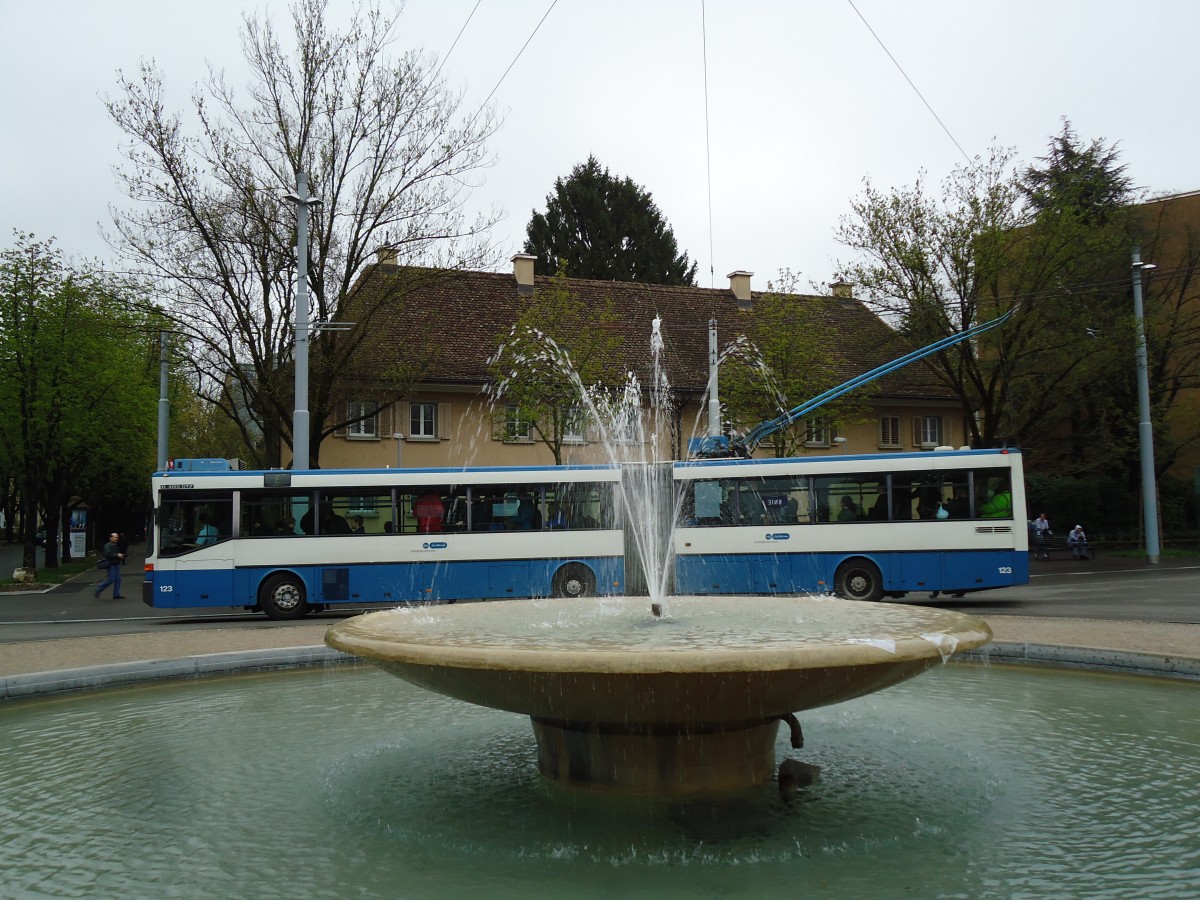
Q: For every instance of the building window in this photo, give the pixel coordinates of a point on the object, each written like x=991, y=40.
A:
x=889, y=431
x=366, y=419
x=574, y=426
x=516, y=426
x=818, y=432
x=422, y=420
x=927, y=431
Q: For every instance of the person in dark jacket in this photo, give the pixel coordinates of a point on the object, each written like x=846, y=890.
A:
x=113, y=557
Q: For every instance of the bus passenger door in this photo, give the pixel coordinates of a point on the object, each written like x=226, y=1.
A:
x=207, y=582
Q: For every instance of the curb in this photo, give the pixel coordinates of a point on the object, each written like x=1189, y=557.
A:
x=1096, y=660
x=42, y=684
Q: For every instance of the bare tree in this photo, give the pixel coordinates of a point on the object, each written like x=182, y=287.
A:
x=386, y=147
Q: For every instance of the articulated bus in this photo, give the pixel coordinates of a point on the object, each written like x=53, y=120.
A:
x=865, y=527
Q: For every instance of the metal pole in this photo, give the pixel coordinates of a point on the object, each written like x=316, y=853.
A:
x=164, y=403
x=714, y=402
x=300, y=428
x=1145, y=427
x=399, y=449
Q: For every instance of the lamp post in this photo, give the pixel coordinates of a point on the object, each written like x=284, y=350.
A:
x=164, y=402
x=1145, y=427
x=300, y=427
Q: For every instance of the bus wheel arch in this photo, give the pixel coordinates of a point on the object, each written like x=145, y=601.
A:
x=858, y=578
x=575, y=580
x=283, y=596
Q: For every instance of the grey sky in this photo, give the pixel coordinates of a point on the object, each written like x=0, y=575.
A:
x=803, y=103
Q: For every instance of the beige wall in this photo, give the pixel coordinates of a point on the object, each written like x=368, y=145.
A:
x=469, y=440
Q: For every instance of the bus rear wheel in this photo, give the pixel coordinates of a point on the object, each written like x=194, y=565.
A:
x=574, y=580
x=859, y=579
x=283, y=597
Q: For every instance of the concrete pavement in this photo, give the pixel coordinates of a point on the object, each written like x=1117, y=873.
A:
x=35, y=668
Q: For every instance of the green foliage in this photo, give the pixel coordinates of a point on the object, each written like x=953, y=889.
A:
x=1049, y=241
x=782, y=361
x=606, y=228
x=1088, y=182
x=558, y=346
x=1101, y=504
x=77, y=389
x=1108, y=508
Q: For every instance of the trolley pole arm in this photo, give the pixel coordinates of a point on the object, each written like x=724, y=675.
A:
x=746, y=444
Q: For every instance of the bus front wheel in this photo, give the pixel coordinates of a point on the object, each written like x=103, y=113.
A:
x=859, y=579
x=283, y=597
x=574, y=580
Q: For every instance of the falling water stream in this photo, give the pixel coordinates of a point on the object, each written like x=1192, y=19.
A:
x=634, y=427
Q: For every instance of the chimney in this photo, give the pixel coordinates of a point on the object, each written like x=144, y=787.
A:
x=739, y=286
x=523, y=272
x=385, y=256
x=842, y=289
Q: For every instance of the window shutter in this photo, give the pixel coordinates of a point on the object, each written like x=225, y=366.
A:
x=944, y=429
x=443, y=421
x=401, y=423
x=916, y=431
x=341, y=412
x=384, y=414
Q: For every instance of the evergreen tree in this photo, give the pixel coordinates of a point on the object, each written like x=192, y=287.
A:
x=607, y=228
x=1088, y=180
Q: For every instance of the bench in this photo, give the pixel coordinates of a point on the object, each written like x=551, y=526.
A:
x=1056, y=544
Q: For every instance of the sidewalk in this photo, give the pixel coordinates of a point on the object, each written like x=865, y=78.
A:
x=49, y=666
x=46, y=667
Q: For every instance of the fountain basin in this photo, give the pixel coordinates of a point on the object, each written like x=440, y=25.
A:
x=687, y=703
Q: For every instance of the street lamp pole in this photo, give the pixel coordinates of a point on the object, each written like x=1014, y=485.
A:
x=300, y=426
x=164, y=402
x=1145, y=426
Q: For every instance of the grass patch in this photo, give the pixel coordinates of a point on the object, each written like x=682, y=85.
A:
x=49, y=577
x=1165, y=553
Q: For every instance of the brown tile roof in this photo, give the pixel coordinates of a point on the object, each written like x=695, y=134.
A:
x=463, y=316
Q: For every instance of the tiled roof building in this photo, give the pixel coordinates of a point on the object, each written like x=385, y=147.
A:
x=451, y=323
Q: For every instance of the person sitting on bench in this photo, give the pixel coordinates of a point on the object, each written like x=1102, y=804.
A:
x=1077, y=541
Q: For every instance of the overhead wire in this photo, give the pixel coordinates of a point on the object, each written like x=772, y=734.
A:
x=518, y=56
x=910, y=82
x=707, y=144
x=457, y=38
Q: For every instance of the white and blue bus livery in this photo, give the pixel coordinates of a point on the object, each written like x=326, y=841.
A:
x=864, y=527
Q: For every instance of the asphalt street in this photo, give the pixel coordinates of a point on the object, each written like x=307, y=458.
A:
x=1106, y=588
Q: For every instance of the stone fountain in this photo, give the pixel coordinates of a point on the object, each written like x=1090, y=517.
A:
x=640, y=696
x=688, y=703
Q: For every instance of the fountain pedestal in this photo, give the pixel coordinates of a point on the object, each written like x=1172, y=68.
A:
x=683, y=704
x=650, y=760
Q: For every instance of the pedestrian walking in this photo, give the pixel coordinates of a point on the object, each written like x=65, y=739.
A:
x=113, y=557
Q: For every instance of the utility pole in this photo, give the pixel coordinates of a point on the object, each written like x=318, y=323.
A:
x=164, y=402
x=1145, y=425
x=300, y=426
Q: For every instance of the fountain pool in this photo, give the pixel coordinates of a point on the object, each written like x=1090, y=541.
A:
x=969, y=781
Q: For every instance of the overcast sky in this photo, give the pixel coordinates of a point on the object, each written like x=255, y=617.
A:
x=803, y=102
